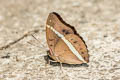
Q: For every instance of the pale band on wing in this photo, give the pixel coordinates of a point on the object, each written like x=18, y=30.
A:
x=71, y=47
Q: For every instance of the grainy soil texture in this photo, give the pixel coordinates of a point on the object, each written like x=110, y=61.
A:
x=97, y=21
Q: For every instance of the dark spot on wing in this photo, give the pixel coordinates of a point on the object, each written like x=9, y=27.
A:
x=80, y=48
x=65, y=31
x=51, y=39
x=82, y=52
x=51, y=45
x=65, y=50
x=75, y=42
x=84, y=58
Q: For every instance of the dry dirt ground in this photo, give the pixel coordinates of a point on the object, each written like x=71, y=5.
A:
x=97, y=21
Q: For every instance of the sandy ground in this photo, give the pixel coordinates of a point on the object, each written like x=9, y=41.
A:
x=97, y=21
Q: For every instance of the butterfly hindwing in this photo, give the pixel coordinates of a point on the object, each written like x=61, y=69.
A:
x=79, y=45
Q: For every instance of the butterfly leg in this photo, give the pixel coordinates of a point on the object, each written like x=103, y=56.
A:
x=58, y=59
x=48, y=58
x=60, y=65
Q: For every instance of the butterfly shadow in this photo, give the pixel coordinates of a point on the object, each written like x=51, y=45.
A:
x=50, y=61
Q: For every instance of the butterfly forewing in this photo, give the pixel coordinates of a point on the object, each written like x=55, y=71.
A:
x=54, y=21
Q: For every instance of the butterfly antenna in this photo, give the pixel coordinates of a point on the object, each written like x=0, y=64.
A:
x=35, y=38
x=32, y=44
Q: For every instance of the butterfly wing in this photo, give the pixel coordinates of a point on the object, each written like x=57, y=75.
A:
x=65, y=55
x=55, y=21
x=79, y=45
x=59, y=50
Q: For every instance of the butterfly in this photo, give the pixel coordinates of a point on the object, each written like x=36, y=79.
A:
x=65, y=44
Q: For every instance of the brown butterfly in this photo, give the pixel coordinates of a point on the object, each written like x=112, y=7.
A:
x=65, y=45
